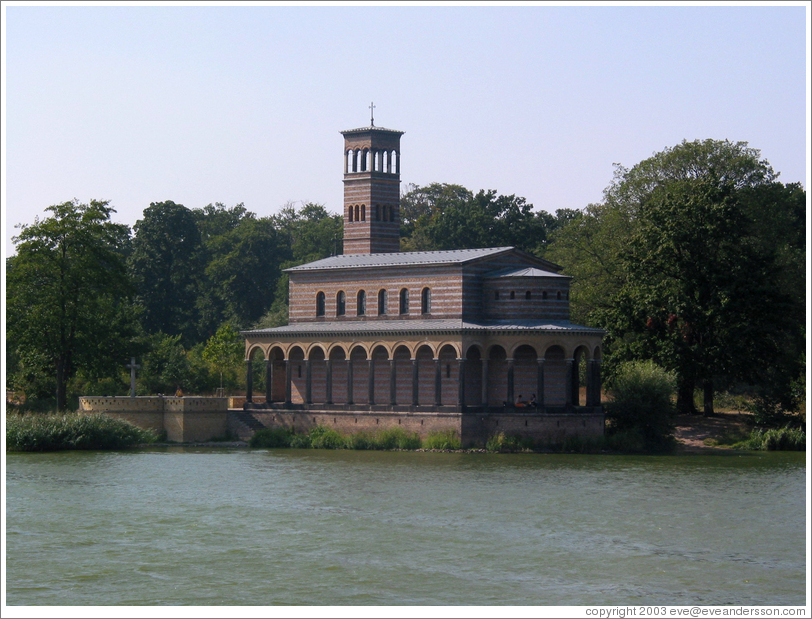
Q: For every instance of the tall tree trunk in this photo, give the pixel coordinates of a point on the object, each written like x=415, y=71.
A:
x=707, y=400
x=685, y=396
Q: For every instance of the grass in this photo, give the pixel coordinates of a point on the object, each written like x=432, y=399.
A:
x=55, y=432
x=776, y=439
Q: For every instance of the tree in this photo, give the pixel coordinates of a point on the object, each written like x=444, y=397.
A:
x=69, y=295
x=224, y=350
x=166, y=264
x=165, y=367
x=442, y=216
x=682, y=263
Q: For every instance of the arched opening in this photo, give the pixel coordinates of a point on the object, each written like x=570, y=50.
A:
x=497, y=376
x=254, y=376
x=318, y=375
x=357, y=213
x=380, y=361
x=527, y=295
x=320, y=304
x=360, y=375
x=277, y=380
x=580, y=380
x=341, y=303
x=361, y=303
x=350, y=213
x=449, y=375
x=338, y=376
x=403, y=306
x=525, y=372
x=425, y=301
x=425, y=375
x=403, y=376
x=382, y=301
x=555, y=376
x=363, y=212
x=473, y=376
x=298, y=375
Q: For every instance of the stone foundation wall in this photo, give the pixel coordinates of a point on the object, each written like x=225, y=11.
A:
x=474, y=429
x=184, y=419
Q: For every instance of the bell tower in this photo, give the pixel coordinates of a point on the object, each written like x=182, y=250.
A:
x=371, y=190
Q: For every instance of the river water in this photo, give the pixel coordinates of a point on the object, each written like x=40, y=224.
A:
x=232, y=526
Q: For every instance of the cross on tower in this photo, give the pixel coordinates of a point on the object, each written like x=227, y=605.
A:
x=133, y=367
x=371, y=114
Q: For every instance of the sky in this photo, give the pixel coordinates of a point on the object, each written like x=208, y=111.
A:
x=244, y=104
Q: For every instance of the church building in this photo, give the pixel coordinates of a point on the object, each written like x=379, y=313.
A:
x=477, y=341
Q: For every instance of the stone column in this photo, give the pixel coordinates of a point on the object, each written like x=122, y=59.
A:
x=349, y=381
x=415, y=386
x=568, y=383
x=249, y=382
x=288, y=379
x=329, y=372
x=371, y=382
x=268, y=381
x=461, y=391
x=540, y=383
x=484, y=382
x=308, y=383
x=438, y=383
x=510, y=397
x=393, y=385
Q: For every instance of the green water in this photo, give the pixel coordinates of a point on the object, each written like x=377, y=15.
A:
x=202, y=526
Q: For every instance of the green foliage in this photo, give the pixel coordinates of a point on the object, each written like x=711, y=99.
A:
x=585, y=445
x=166, y=264
x=271, y=438
x=165, y=368
x=444, y=440
x=694, y=259
x=71, y=431
x=224, y=350
x=68, y=299
x=641, y=406
x=322, y=437
x=775, y=439
x=441, y=216
x=395, y=438
x=504, y=443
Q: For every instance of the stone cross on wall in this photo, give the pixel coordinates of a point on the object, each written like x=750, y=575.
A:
x=133, y=367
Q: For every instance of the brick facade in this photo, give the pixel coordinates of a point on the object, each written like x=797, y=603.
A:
x=480, y=328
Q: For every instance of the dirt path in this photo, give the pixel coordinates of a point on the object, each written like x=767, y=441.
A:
x=692, y=430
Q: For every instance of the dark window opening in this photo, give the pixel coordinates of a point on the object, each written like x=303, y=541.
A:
x=341, y=303
x=320, y=304
x=404, y=301
x=425, y=301
x=361, y=306
x=382, y=302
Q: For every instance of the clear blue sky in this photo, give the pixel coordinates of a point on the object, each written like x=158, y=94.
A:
x=244, y=104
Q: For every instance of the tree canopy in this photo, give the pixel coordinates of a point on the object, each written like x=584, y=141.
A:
x=693, y=259
x=69, y=296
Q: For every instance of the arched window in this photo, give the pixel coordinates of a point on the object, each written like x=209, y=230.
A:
x=350, y=209
x=527, y=295
x=558, y=295
x=512, y=294
x=363, y=212
x=425, y=301
x=404, y=301
x=361, y=303
x=320, y=304
x=382, y=300
x=544, y=295
x=341, y=303
x=357, y=213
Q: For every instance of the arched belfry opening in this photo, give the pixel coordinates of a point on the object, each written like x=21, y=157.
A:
x=371, y=177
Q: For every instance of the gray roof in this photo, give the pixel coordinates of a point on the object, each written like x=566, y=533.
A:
x=371, y=128
x=355, y=261
x=388, y=327
x=527, y=272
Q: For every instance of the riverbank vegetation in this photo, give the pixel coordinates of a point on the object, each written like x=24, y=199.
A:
x=694, y=260
x=63, y=431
